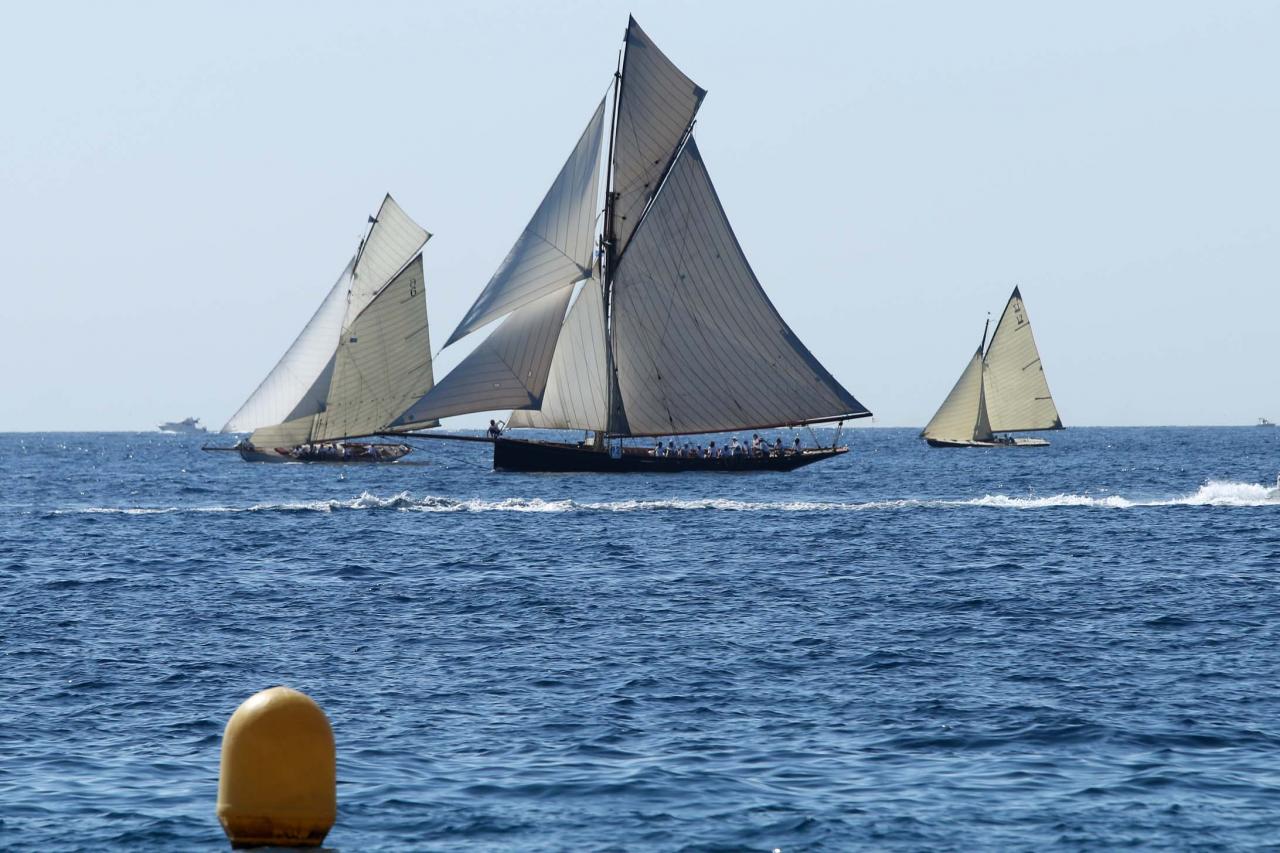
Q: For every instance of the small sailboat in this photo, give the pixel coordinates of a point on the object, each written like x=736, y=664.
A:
x=1001, y=390
x=362, y=359
x=665, y=331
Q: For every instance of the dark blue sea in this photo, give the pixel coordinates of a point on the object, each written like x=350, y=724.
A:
x=1075, y=647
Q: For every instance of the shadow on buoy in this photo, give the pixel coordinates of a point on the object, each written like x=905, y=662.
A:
x=277, y=786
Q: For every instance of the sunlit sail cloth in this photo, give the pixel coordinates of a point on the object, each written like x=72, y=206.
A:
x=555, y=248
x=576, y=396
x=671, y=333
x=957, y=418
x=507, y=370
x=288, y=434
x=392, y=242
x=1017, y=393
x=1001, y=390
x=383, y=362
x=698, y=346
x=288, y=390
x=656, y=106
x=366, y=354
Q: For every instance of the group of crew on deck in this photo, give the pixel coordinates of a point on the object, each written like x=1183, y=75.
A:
x=335, y=451
x=758, y=448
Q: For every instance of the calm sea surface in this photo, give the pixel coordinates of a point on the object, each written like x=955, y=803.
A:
x=902, y=649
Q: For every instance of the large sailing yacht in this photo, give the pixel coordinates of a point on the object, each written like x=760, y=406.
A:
x=1001, y=390
x=670, y=332
x=361, y=360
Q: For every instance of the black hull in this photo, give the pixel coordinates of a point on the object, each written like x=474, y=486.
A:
x=510, y=454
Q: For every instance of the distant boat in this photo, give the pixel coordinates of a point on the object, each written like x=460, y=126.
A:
x=362, y=359
x=1002, y=390
x=1264, y=422
x=187, y=425
x=671, y=333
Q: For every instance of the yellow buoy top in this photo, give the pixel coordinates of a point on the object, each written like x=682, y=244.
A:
x=278, y=783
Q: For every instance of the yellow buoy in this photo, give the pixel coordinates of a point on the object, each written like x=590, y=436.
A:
x=278, y=782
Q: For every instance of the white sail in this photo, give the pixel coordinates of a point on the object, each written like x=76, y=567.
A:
x=555, y=248
x=292, y=388
x=391, y=243
x=1017, y=395
x=575, y=396
x=958, y=416
x=383, y=362
x=698, y=346
x=656, y=105
x=508, y=370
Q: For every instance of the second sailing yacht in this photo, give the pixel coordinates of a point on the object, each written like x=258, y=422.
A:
x=1001, y=390
x=357, y=365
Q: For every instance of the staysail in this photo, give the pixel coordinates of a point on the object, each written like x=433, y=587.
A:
x=1017, y=394
x=694, y=343
x=576, y=396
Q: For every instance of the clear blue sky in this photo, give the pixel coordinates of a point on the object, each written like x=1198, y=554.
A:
x=180, y=183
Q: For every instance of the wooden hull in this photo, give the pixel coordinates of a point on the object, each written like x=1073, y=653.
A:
x=513, y=454
x=1013, y=442
x=368, y=454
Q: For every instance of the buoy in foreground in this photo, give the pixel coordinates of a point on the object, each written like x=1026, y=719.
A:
x=278, y=781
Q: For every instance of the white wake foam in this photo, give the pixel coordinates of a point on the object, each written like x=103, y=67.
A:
x=1215, y=493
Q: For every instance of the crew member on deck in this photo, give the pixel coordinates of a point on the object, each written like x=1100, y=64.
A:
x=494, y=429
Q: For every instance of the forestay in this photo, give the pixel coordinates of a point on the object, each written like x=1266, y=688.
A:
x=291, y=389
x=383, y=361
x=1017, y=394
x=555, y=248
x=575, y=396
x=507, y=370
x=656, y=106
x=698, y=346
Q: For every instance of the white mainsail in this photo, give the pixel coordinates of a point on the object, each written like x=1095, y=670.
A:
x=289, y=390
x=576, y=396
x=656, y=106
x=698, y=346
x=1017, y=393
x=957, y=418
x=383, y=362
x=555, y=248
